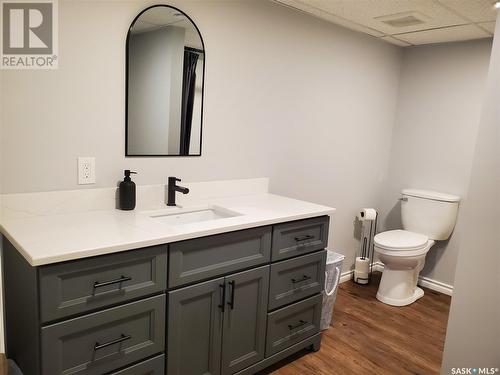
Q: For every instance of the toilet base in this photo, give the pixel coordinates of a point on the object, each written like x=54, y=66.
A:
x=398, y=285
x=418, y=293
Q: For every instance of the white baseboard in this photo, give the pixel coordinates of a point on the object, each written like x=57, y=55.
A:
x=378, y=266
x=424, y=281
x=435, y=285
x=346, y=276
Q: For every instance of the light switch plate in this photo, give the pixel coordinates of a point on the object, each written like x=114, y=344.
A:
x=86, y=170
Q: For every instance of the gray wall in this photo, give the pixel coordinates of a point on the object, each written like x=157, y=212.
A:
x=332, y=145
x=155, y=91
x=287, y=96
x=473, y=336
x=439, y=105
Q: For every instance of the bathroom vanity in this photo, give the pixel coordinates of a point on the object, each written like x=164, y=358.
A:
x=231, y=302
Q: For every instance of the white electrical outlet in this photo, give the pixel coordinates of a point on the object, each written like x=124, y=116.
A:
x=86, y=170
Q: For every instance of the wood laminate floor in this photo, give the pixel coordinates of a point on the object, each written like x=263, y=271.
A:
x=369, y=337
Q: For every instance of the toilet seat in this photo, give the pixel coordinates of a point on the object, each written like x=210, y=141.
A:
x=401, y=240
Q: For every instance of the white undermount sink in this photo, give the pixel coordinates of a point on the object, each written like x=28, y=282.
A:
x=189, y=216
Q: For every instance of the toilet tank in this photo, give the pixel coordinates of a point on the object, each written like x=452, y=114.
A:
x=428, y=212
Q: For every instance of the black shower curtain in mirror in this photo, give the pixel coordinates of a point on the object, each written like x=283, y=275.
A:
x=188, y=92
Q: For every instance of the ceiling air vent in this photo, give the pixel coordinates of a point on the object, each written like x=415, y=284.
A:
x=403, y=19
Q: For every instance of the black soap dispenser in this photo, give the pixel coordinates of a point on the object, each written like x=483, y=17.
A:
x=127, y=192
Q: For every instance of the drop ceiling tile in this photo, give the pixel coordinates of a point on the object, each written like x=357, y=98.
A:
x=395, y=41
x=474, y=10
x=306, y=8
x=490, y=26
x=367, y=16
x=366, y=12
x=348, y=24
x=448, y=34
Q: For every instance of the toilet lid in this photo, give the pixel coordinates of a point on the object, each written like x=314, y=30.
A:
x=400, y=240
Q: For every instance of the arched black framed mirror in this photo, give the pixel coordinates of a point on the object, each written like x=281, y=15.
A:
x=165, y=67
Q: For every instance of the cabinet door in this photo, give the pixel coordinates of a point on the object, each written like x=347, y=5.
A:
x=195, y=329
x=243, y=342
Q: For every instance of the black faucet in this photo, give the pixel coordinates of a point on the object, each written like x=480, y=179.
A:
x=172, y=188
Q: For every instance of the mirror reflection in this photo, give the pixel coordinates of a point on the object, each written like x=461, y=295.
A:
x=165, y=68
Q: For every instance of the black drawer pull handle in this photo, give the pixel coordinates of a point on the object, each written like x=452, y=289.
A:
x=303, y=238
x=231, y=302
x=304, y=278
x=300, y=324
x=223, y=298
x=122, y=279
x=122, y=338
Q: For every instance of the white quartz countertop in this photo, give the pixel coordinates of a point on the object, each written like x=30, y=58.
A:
x=56, y=237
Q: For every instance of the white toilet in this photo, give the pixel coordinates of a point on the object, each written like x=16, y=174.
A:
x=427, y=217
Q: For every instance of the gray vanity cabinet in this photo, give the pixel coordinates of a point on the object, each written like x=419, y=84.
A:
x=195, y=328
x=219, y=320
x=231, y=303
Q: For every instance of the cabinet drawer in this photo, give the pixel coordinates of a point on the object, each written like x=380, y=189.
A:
x=101, y=342
x=294, y=279
x=153, y=366
x=292, y=324
x=72, y=288
x=207, y=257
x=299, y=237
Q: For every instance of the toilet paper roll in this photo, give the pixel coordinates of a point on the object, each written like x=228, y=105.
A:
x=361, y=270
x=361, y=277
x=362, y=265
x=366, y=214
